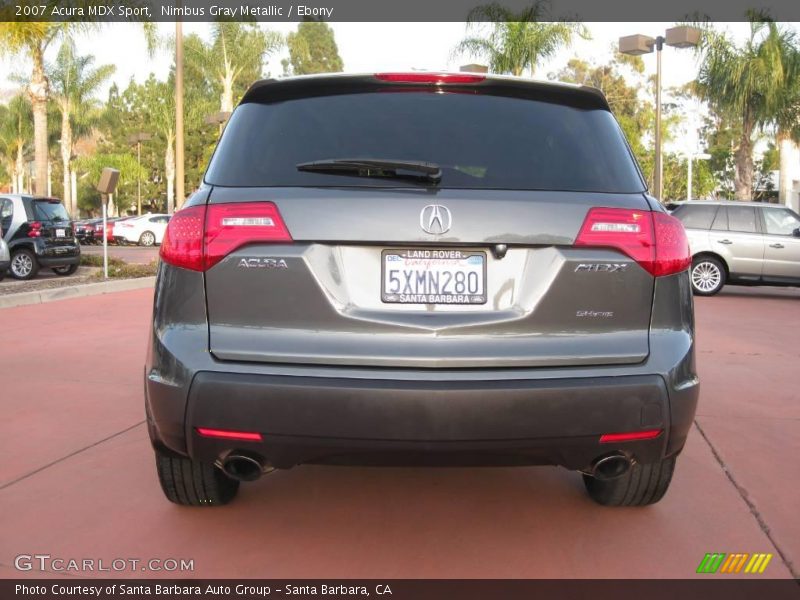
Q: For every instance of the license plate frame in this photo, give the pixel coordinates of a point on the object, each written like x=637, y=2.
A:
x=419, y=253
x=61, y=233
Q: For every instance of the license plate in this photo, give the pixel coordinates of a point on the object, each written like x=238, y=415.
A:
x=61, y=233
x=433, y=276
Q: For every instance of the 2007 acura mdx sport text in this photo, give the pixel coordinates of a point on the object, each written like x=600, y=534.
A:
x=416, y=268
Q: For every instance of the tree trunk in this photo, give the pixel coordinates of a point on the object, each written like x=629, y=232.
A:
x=788, y=158
x=226, y=100
x=73, y=185
x=743, y=159
x=66, y=155
x=38, y=92
x=169, y=169
x=20, y=171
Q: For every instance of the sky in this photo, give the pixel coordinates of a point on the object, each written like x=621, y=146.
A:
x=374, y=47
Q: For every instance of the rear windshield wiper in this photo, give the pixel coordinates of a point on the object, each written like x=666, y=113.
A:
x=376, y=167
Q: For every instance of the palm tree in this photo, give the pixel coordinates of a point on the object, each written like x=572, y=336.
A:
x=748, y=82
x=787, y=122
x=514, y=41
x=32, y=41
x=74, y=82
x=15, y=137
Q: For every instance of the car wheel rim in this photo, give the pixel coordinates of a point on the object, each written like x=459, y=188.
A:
x=147, y=239
x=22, y=265
x=706, y=276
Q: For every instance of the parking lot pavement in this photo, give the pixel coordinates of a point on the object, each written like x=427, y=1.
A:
x=78, y=479
x=130, y=254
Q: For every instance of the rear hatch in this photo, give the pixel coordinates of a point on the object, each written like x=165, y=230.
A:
x=498, y=262
x=55, y=226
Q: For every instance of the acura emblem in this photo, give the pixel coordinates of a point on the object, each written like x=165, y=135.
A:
x=435, y=219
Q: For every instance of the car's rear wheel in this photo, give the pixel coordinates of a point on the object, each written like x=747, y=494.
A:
x=643, y=484
x=708, y=276
x=64, y=271
x=24, y=264
x=148, y=238
x=192, y=483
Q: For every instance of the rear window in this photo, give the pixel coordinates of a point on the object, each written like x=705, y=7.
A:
x=696, y=217
x=480, y=141
x=49, y=211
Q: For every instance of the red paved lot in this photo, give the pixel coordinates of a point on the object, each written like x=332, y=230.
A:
x=78, y=479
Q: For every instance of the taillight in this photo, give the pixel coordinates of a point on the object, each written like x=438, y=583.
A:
x=440, y=78
x=182, y=245
x=198, y=237
x=231, y=226
x=35, y=229
x=672, y=246
x=655, y=240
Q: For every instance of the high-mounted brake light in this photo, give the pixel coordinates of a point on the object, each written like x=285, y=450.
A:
x=633, y=436
x=198, y=237
x=655, y=240
x=440, y=78
x=225, y=434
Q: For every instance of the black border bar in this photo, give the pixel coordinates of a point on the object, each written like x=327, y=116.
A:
x=391, y=10
x=715, y=586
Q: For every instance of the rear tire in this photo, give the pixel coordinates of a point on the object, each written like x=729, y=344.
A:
x=64, y=271
x=707, y=275
x=24, y=265
x=190, y=483
x=643, y=484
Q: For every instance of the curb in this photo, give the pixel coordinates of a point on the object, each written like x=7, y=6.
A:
x=75, y=291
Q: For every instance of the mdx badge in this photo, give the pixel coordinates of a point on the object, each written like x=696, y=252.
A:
x=601, y=267
x=435, y=219
x=262, y=263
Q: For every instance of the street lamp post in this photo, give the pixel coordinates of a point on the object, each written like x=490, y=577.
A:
x=636, y=45
x=179, y=142
x=138, y=138
x=690, y=158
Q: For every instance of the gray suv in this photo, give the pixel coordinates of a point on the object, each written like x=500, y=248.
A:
x=743, y=243
x=421, y=269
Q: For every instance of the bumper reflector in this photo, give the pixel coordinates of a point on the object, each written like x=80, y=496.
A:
x=248, y=436
x=648, y=434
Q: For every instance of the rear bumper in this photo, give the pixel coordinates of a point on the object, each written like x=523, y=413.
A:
x=387, y=421
x=4, y=265
x=58, y=256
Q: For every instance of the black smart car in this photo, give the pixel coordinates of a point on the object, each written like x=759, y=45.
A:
x=39, y=234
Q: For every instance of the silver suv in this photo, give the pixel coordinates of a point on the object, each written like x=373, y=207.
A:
x=743, y=243
x=418, y=268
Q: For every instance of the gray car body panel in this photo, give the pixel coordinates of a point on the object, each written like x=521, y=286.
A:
x=333, y=314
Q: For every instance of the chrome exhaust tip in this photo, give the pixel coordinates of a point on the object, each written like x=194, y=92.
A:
x=611, y=466
x=242, y=467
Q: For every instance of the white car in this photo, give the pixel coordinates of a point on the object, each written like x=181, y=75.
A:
x=146, y=230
